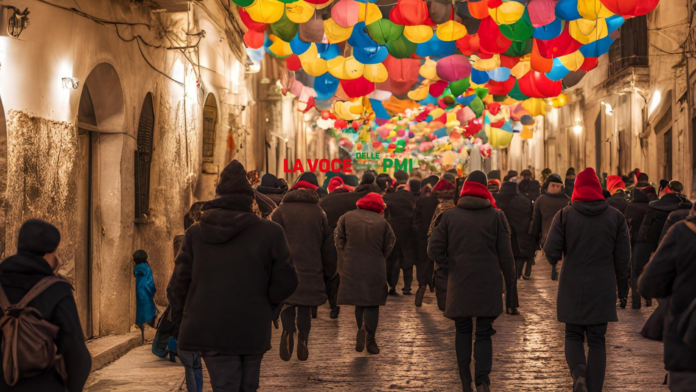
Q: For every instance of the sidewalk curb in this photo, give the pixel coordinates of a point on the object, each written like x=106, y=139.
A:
x=107, y=349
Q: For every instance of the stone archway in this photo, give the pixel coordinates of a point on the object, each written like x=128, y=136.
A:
x=205, y=187
x=100, y=126
x=3, y=178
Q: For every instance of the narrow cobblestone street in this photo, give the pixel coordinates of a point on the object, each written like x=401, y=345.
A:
x=418, y=353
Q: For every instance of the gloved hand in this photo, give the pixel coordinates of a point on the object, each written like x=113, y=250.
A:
x=623, y=302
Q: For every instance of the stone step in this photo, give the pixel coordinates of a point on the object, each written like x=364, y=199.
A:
x=107, y=349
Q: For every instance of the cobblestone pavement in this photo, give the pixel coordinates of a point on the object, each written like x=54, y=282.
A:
x=418, y=351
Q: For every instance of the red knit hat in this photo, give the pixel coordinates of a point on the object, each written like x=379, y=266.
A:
x=305, y=185
x=615, y=183
x=372, y=202
x=334, y=183
x=587, y=186
x=443, y=185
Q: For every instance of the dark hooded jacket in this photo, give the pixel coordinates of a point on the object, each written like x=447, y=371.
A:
x=265, y=204
x=618, y=200
x=635, y=212
x=337, y=204
x=18, y=274
x=473, y=242
x=233, y=270
x=401, y=206
x=272, y=188
x=530, y=189
x=545, y=208
x=311, y=245
x=518, y=212
x=651, y=228
x=674, y=218
x=593, y=241
x=423, y=215
x=364, y=241
x=672, y=273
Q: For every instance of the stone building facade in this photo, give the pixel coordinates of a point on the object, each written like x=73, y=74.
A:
x=635, y=110
x=116, y=116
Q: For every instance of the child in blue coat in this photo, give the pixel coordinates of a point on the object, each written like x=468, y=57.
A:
x=144, y=291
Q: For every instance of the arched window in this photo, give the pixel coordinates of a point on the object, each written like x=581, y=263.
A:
x=143, y=158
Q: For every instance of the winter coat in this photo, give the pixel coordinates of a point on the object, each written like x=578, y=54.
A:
x=545, y=208
x=593, y=241
x=311, y=245
x=672, y=272
x=144, y=294
x=265, y=204
x=651, y=228
x=402, y=205
x=364, y=240
x=473, y=242
x=18, y=274
x=518, y=212
x=232, y=272
x=337, y=204
x=673, y=218
x=635, y=212
x=423, y=215
x=618, y=200
x=530, y=189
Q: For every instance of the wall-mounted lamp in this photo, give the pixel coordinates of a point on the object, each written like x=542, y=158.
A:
x=71, y=83
x=608, y=110
x=577, y=129
x=16, y=20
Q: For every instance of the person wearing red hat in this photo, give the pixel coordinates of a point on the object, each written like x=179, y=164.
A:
x=593, y=241
x=472, y=242
x=364, y=241
x=617, y=188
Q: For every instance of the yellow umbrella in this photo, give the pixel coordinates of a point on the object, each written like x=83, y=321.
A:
x=336, y=33
x=588, y=31
x=336, y=67
x=572, y=61
x=418, y=34
x=451, y=31
x=299, y=11
x=266, y=11
x=376, y=73
x=508, y=13
x=369, y=13
x=487, y=64
x=419, y=94
x=593, y=9
x=353, y=69
x=279, y=47
x=429, y=70
x=520, y=69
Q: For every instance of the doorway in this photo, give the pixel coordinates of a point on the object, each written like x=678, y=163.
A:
x=205, y=187
x=99, y=116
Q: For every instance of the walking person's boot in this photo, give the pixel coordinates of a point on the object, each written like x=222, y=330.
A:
x=406, y=291
x=302, y=350
x=420, y=294
x=528, y=270
x=372, y=347
x=648, y=302
x=392, y=291
x=579, y=384
x=334, y=312
x=483, y=388
x=361, y=340
x=287, y=343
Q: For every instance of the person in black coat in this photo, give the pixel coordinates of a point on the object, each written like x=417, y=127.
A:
x=528, y=186
x=314, y=256
x=422, y=217
x=233, y=272
x=569, y=181
x=649, y=237
x=518, y=211
x=635, y=212
x=335, y=206
x=593, y=241
x=671, y=273
x=36, y=259
x=677, y=216
x=401, y=206
x=617, y=190
x=271, y=187
x=473, y=242
x=552, y=200
x=414, y=186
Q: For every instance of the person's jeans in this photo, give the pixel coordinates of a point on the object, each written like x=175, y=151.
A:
x=519, y=266
x=159, y=344
x=367, y=317
x=483, y=349
x=594, y=366
x=194, y=370
x=408, y=278
x=394, y=266
x=297, y=318
x=233, y=373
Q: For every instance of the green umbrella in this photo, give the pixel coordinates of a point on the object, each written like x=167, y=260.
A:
x=284, y=28
x=385, y=31
x=401, y=48
x=458, y=87
x=519, y=31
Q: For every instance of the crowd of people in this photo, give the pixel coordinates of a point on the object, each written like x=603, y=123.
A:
x=350, y=241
